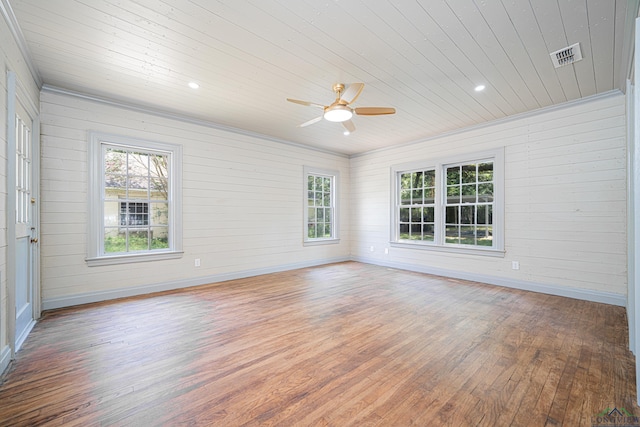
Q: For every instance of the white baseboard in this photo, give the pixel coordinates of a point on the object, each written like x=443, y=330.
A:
x=22, y=338
x=563, y=291
x=583, y=294
x=85, y=298
x=5, y=358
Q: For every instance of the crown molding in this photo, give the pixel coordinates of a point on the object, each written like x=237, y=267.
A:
x=507, y=119
x=181, y=118
x=14, y=27
x=628, y=44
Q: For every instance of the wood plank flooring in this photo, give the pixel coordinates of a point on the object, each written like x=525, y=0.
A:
x=346, y=344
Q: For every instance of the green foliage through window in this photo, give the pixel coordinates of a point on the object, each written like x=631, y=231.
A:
x=417, y=205
x=467, y=204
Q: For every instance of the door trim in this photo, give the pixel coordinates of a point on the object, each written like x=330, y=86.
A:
x=11, y=209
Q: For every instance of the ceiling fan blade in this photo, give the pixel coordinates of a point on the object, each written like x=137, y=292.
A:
x=352, y=92
x=374, y=111
x=348, y=125
x=310, y=122
x=306, y=103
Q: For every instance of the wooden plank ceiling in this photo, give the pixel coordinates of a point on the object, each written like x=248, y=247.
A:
x=423, y=58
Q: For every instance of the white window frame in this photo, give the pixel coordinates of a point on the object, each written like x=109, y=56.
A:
x=334, y=175
x=440, y=165
x=96, y=190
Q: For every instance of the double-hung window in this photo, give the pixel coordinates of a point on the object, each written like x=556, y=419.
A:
x=468, y=203
x=320, y=208
x=452, y=204
x=134, y=206
x=416, y=205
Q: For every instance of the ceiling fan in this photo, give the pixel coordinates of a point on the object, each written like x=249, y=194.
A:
x=340, y=111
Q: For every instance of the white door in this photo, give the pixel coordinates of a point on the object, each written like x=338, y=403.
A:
x=25, y=230
x=23, y=188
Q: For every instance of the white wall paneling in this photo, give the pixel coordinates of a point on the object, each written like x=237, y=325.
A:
x=565, y=201
x=633, y=236
x=242, y=207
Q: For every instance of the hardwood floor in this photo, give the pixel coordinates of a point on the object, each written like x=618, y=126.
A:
x=337, y=345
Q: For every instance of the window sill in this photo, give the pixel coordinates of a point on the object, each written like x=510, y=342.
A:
x=321, y=242
x=131, y=258
x=451, y=249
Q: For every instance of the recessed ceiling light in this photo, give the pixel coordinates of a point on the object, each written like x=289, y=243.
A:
x=346, y=132
x=194, y=85
x=480, y=88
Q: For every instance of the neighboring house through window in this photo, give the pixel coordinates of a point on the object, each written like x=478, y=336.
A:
x=320, y=210
x=134, y=214
x=452, y=204
x=135, y=200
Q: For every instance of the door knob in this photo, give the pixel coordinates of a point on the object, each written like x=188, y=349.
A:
x=34, y=240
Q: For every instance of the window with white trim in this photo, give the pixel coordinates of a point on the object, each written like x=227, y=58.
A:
x=468, y=204
x=320, y=210
x=453, y=204
x=135, y=198
x=416, y=207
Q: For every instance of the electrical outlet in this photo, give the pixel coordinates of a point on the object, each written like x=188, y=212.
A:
x=371, y=249
x=386, y=251
x=515, y=265
x=197, y=262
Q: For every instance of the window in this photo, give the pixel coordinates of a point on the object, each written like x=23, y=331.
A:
x=134, y=213
x=453, y=204
x=417, y=205
x=469, y=204
x=23, y=172
x=320, y=210
x=135, y=204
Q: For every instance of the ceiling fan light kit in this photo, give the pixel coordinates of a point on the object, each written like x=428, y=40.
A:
x=340, y=111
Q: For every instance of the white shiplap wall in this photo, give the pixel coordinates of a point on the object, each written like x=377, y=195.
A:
x=4, y=343
x=565, y=201
x=242, y=203
x=11, y=59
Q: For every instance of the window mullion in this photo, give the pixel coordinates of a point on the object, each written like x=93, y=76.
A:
x=441, y=191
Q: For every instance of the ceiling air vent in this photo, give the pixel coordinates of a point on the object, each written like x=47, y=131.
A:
x=566, y=56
